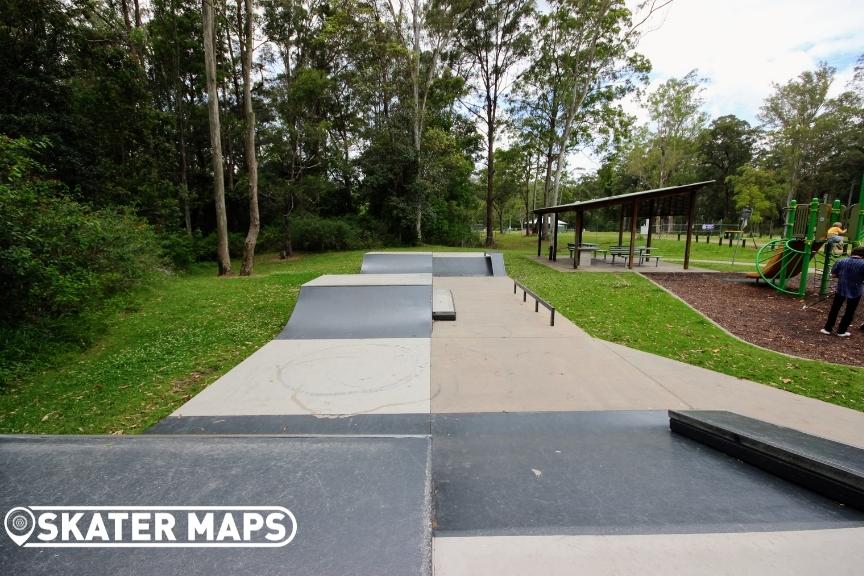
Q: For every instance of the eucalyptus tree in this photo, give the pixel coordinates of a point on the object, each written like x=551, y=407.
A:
x=593, y=44
x=426, y=32
x=222, y=256
x=676, y=120
x=246, y=37
x=789, y=116
x=494, y=36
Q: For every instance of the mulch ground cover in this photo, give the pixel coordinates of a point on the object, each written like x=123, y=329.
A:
x=763, y=316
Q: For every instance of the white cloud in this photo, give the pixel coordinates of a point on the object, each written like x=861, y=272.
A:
x=741, y=47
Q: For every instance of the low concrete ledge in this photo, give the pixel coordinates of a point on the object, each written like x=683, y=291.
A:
x=830, y=468
x=443, y=307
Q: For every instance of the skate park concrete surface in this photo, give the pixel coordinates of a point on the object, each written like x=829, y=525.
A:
x=360, y=503
x=492, y=444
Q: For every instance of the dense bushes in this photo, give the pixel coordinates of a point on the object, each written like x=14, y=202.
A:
x=57, y=256
x=312, y=234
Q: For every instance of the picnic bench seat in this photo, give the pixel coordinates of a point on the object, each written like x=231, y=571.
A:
x=624, y=252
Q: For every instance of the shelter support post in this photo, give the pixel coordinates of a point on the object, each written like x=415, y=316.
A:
x=633, y=221
x=555, y=239
x=621, y=226
x=650, y=223
x=577, y=254
x=539, y=231
x=691, y=209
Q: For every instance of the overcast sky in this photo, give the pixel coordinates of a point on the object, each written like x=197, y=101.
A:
x=741, y=46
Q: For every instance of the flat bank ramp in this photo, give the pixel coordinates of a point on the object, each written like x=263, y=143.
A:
x=361, y=306
x=439, y=264
x=830, y=468
x=396, y=262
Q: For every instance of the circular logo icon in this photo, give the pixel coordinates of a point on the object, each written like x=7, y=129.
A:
x=19, y=523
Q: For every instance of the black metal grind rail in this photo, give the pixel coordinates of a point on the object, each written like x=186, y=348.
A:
x=538, y=301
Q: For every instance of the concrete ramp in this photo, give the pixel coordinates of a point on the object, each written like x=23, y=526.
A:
x=396, y=262
x=461, y=265
x=362, y=306
x=441, y=264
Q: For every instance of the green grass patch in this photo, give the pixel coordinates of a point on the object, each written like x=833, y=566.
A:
x=628, y=309
x=160, y=346
x=174, y=337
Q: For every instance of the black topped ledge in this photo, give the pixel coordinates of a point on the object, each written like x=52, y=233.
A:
x=830, y=468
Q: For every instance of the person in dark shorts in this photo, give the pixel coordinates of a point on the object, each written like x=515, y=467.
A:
x=850, y=284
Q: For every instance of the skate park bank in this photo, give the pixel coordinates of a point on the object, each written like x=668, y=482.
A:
x=484, y=444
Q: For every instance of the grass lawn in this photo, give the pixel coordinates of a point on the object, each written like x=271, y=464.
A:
x=177, y=336
x=181, y=333
x=628, y=309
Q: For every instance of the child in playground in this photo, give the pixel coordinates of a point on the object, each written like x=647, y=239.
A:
x=835, y=235
x=850, y=274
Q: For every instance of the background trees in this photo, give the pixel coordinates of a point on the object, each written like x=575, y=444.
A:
x=361, y=122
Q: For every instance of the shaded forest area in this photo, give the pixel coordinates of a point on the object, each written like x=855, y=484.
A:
x=146, y=135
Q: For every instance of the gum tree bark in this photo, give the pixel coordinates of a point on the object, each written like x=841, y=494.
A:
x=222, y=256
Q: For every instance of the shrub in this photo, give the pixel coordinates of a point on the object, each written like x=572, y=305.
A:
x=313, y=234
x=58, y=257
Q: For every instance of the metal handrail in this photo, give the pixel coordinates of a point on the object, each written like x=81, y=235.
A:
x=537, y=301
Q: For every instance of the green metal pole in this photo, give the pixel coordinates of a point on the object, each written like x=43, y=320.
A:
x=787, y=235
x=826, y=269
x=790, y=220
x=808, y=245
x=860, y=234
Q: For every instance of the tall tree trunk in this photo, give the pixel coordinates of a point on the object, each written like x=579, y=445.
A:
x=184, y=184
x=415, y=82
x=490, y=171
x=222, y=256
x=180, y=116
x=247, y=47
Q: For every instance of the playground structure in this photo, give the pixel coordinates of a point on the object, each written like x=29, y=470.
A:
x=804, y=244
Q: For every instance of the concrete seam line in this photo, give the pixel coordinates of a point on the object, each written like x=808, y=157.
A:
x=724, y=330
x=640, y=370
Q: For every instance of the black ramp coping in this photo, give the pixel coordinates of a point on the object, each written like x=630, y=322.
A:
x=479, y=265
x=299, y=424
x=396, y=263
x=325, y=312
x=833, y=469
x=360, y=503
x=604, y=473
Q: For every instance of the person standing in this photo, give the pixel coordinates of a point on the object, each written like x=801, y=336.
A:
x=850, y=284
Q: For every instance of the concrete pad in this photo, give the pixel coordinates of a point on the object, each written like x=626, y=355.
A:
x=322, y=378
x=396, y=262
x=443, y=307
x=703, y=389
x=361, y=504
x=458, y=254
x=536, y=374
x=327, y=312
x=371, y=280
x=489, y=308
x=800, y=553
x=605, y=473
